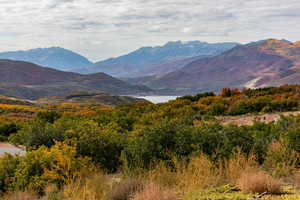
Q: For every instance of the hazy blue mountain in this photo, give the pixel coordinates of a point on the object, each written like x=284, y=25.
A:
x=54, y=57
x=151, y=60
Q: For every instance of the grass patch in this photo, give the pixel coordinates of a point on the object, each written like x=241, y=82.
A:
x=226, y=192
x=259, y=182
x=154, y=192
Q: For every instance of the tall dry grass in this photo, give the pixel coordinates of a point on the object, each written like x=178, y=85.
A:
x=125, y=189
x=297, y=179
x=236, y=165
x=21, y=196
x=281, y=161
x=259, y=182
x=154, y=192
x=200, y=172
x=95, y=187
x=160, y=174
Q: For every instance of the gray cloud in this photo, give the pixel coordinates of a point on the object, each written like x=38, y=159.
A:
x=105, y=28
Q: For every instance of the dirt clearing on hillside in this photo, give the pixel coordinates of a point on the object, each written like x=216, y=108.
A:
x=250, y=119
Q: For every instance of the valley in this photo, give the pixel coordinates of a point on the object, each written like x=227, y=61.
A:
x=149, y=100
x=218, y=124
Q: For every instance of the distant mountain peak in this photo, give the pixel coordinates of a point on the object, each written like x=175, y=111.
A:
x=278, y=47
x=53, y=57
x=297, y=43
x=269, y=41
x=149, y=60
x=269, y=62
x=277, y=42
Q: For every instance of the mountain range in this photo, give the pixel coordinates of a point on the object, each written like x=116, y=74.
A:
x=31, y=81
x=157, y=60
x=265, y=63
x=175, y=68
x=54, y=57
x=142, y=62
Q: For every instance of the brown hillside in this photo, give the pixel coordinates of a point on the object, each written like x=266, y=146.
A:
x=27, y=80
x=254, y=65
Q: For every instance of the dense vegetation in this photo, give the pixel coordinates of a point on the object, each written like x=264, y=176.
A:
x=166, y=144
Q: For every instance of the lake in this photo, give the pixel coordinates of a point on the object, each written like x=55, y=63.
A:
x=157, y=99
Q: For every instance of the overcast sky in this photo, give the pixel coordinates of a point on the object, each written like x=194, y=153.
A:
x=100, y=29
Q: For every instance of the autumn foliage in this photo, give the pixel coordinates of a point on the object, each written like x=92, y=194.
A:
x=174, y=146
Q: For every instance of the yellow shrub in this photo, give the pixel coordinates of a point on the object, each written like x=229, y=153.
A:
x=58, y=165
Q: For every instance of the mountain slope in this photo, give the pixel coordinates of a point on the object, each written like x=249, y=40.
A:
x=27, y=80
x=54, y=57
x=90, y=98
x=9, y=100
x=265, y=63
x=157, y=60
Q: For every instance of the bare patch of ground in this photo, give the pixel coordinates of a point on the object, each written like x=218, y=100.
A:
x=9, y=148
x=250, y=119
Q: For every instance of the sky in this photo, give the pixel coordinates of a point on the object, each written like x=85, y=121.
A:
x=100, y=29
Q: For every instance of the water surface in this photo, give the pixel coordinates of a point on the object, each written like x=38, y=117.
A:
x=158, y=99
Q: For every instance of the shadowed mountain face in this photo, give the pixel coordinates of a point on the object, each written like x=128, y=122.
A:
x=265, y=63
x=55, y=57
x=158, y=60
x=27, y=80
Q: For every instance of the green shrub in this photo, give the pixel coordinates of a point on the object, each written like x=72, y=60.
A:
x=8, y=167
x=159, y=143
x=48, y=116
x=8, y=129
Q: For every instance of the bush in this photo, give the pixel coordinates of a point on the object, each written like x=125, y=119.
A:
x=154, y=192
x=48, y=116
x=103, y=148
x=103, y=145
x=218, y=108
x=159, y=143
x=38, y=133
x=126, y=189
x=258, y=182
x=58, y=165
x=281, y=161
x=197, y=97
x=7, y=129
x=8, y=167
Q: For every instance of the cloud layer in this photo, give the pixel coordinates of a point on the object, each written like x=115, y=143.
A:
x=105, y=28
